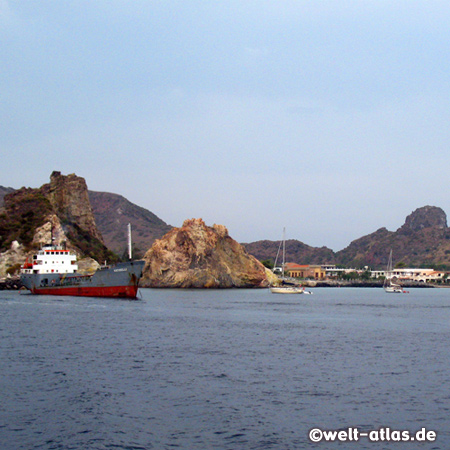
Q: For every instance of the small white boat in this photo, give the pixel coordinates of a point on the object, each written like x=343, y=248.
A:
x=396, y=288
x=288, y=290
x=286, y=287
x=389, y=285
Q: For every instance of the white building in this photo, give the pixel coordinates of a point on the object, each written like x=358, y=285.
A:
x=407, y=274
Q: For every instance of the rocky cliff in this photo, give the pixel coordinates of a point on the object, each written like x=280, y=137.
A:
x=68, y=195
x=422, y=241
x=198, y=256
x=60, y=210
x=422, y=218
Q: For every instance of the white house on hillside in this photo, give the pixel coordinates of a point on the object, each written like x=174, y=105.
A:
x=421, y=275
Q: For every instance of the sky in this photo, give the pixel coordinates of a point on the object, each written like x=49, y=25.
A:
x=328, y=118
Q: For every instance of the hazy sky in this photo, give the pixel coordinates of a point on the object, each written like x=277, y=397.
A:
x=329, y=118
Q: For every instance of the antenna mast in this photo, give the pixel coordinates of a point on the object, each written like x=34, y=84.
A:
x=129, y=242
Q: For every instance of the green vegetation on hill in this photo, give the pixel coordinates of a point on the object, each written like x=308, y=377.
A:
x=24, y=211
x=27, y=209
x=89, y=245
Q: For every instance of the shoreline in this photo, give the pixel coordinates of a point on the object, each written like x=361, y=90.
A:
x=14, y=284
x=368, y=284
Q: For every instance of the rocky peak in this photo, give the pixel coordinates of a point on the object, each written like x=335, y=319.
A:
x=221, y=230
x=425, y=217
x=4, y=191
x=68, y=195
x=200, y=256
x=59, y=211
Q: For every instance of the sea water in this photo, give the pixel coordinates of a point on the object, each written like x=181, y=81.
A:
x=223, y=369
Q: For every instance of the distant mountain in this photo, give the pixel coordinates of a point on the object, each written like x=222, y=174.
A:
x=113, y=213
x=4, y=191
x=296, y=251
x=422, y=241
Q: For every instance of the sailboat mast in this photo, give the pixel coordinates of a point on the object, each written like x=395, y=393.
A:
x=284, y=249
x=389, y=267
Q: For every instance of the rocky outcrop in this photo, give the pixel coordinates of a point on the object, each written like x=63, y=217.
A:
x=57, y=212
x=198, y=256
x=68, y=195
x=50, y=231
x=29, y=216
x=23, y=212
x=423, y=240
x=88, y=266
x=11, y=259
x=425, y=217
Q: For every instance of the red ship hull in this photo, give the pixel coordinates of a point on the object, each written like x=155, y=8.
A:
x=83, y=291
x=120, y=280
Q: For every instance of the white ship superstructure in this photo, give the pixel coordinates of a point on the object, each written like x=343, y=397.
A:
x=51, y=259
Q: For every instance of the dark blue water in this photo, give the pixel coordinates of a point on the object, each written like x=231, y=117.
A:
x=232, y=369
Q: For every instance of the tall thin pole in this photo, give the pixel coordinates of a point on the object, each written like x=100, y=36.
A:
x=284, y=248
x=129, y=242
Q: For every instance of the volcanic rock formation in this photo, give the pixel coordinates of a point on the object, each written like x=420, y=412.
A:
x=198, y=256
x=423, y=240
x=68, y=195
x=59, y=211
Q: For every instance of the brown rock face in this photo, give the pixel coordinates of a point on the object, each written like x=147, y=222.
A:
x=425, y=217
x=113, y=213
x=198, y=256
x=423, y=240
x=59, y=210
x=68, y=195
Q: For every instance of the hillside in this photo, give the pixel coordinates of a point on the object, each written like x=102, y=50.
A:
x=422, y=241
x=3, y=192
x=113, y=213
x=59, y=210
x=296, y=251
x=93, y=218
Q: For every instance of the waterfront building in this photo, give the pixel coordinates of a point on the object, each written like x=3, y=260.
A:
x=410, y=274
x=315, y=272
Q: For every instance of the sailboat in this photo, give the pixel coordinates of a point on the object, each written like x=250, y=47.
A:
x=389, y=285
x=286, y=287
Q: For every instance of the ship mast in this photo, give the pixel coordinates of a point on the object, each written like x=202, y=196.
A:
x=284, y=251
x=129, y=242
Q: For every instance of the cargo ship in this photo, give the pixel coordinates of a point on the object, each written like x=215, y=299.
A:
x=53, y=270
